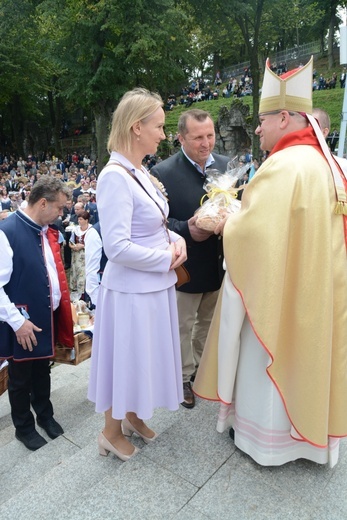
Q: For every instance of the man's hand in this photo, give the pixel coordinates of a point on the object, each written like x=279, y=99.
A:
x=197, y=234
x=26, y=335
x=220, y=227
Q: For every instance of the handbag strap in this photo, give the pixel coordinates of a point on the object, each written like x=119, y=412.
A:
x=165, y=221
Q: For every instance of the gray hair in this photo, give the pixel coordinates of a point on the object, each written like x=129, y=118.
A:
x=48, y=187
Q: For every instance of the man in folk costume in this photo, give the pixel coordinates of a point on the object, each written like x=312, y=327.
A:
x=35, y=308
x=276, y=353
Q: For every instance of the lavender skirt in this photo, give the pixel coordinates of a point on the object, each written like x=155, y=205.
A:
x=136, y=357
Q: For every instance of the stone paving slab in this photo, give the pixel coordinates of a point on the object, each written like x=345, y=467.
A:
x=138, y=489
x=190, y=513
x=189, y=473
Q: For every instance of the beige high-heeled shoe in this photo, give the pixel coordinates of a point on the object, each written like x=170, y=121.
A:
x=129, y=429
x=105, y=447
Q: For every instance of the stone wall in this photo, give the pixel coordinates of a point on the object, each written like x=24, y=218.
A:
x=234, y=132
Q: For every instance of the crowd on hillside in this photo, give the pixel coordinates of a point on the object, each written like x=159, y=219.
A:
x=18, y=174
x=328, y=83
x=201, y=90
x=240, y=85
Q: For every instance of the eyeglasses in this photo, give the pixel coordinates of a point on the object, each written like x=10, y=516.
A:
x=273, y=113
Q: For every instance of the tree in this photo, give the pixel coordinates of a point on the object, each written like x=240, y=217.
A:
x=247, y=16
x=24, y=72
x=329, y=23
x=104, y=48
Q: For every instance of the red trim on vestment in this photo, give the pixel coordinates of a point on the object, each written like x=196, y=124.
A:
x=274, y=382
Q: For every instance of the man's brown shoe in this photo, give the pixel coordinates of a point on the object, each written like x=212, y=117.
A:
x=189, y=397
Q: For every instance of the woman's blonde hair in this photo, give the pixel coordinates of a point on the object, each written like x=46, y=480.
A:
x=135, y=105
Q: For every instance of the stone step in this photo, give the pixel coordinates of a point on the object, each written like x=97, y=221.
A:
x=72, y=410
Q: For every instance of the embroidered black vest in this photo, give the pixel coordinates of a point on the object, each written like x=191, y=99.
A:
x=29, y=288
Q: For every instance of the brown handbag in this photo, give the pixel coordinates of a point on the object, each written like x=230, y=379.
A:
x=182, y=273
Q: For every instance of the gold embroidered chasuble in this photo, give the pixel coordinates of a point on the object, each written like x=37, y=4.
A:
x=286, y=255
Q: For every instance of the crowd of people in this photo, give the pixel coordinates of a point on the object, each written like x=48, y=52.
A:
x=326, y=83
x=241, y=85
x=19, y=175
x=260, y=323
x=201, y=90
x=80, y=213
x=323, y=83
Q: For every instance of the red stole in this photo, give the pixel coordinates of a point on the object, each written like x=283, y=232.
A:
x=64, y=333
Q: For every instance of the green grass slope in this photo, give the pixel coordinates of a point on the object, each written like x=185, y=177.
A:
x=329, y=100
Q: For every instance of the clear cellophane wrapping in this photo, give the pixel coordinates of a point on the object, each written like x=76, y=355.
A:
x=221, y=196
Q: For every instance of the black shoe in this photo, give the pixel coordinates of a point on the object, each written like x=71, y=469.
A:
x=52, y=428
x=232, y=433
x=189, y=397
x=33, y=440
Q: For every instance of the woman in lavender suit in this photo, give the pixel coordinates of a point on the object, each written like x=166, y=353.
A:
x=136, y=360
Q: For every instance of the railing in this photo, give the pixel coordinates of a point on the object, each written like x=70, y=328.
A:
x=287, y=56
x=298, y=52
x=80, y=142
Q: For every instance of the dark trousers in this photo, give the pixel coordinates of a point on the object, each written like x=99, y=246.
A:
x=29, y=383
x=67, y=251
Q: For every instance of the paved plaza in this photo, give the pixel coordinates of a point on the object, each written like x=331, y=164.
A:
x=190, y=472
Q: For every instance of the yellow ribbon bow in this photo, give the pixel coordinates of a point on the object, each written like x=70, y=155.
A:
x=229, y=195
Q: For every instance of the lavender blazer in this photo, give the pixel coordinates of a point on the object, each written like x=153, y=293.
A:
x=134, y=237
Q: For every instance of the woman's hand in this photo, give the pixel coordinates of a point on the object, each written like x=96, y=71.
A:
x=179, y=253
x=76, y=247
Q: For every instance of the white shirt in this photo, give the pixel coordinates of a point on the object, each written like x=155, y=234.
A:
x=93, y=254
x=210, y=160
x=8, y=311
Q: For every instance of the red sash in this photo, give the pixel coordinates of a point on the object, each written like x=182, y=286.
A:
x=64, y=333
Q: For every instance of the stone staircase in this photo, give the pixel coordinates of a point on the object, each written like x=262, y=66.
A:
x=189, y=472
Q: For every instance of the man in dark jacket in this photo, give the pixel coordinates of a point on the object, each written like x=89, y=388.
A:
x=183, y=176
x=35, y=308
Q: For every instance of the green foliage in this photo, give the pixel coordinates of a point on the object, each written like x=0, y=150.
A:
x=87, y=53
x=300, y=15
x=108, y=47
x=23, y=71
x=329, y=100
